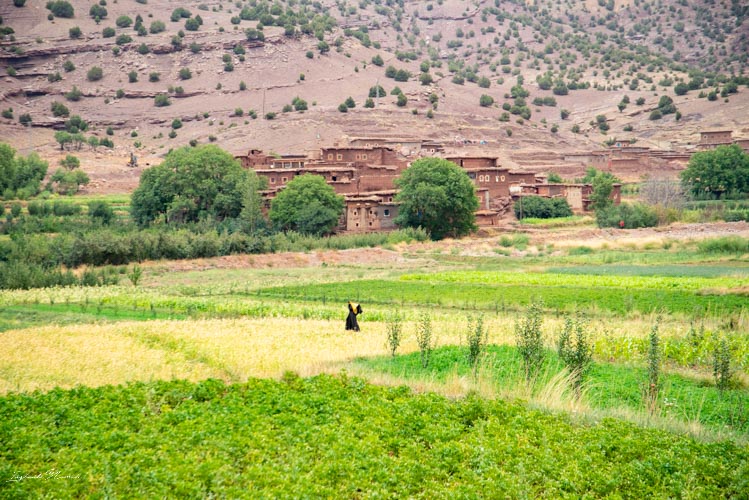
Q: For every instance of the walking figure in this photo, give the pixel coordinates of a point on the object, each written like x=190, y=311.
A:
x=353, y=311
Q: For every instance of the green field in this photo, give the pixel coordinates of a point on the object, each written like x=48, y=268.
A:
x=342, y=438
x=105, y=390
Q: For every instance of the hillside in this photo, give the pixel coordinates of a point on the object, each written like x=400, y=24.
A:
x=223, y=79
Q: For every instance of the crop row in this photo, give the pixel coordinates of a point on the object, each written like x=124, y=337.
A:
x=583, y=280
x=500, y=296
x=337, y=437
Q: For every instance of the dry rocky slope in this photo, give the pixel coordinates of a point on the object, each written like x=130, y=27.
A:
x=607, y=49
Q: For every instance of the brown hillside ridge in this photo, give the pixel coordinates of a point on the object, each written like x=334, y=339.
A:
x=601, y=58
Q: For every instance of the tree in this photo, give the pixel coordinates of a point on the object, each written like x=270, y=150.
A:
x=377, y=91
x=681, y=88
x=97, y=12
x=70, y=162
x=61, y=8
x=603, y=186
x=307, y=204
x=63, y=138
x=192, y=183
x=68, y=181
x=724, y=170
x=486, y=100
x=437, y=195
x=20, y=177
x=192, y=24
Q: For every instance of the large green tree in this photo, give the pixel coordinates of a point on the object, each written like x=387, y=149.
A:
x=195, y=183
x=724, y=170
x=307, y=204
x=437, y=195
x=20, y=177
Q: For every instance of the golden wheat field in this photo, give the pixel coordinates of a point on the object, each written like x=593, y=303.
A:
x=234, y=349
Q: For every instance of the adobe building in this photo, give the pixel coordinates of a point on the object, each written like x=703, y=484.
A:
x=743, y=144
x=256, y=158
x=253, y=159
x=714, y=138
x=370, y=212
x=470, y=162
x=362, y=155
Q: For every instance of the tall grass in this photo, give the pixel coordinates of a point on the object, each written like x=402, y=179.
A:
x=725, y=245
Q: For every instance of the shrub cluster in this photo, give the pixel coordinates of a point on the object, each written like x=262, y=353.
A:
x=538, y=207
x=23, y=276
x=633, y=215
x=34, y=253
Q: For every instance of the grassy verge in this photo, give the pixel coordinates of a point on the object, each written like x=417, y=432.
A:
x=609, y=386
x=571, y=221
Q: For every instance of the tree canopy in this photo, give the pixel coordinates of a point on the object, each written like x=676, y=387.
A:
x=437, y=195
x=20, y=177
x=193, y=184
x=724, y=170
x=307, y=204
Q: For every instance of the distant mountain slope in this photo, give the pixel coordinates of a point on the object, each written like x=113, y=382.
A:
x=537, y=76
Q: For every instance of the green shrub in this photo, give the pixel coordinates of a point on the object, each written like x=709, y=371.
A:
x=62, y=208
x=541, y=208
x=575, y=349
x=97, y=12
x=634, y=216
x=95, y=74
x=123, y=22
x=394, y=329
x=157, y=27
x=652, y=388
x=725, y=245
x=477, y=338
x=530, y=340
x=161, y=100
x=108, y=32
x=61, y=8
x=424, y=338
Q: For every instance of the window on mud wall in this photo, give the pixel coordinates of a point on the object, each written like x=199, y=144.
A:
x=339, y=156
x=284, y=179
x=330, y=156
x=356, y=212
x=272, y=180
x=472, y=176
x=364, y=157
x=386, y=212
x=334, y=178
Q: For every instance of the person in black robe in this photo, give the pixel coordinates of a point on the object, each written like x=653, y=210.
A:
x=353, y=311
